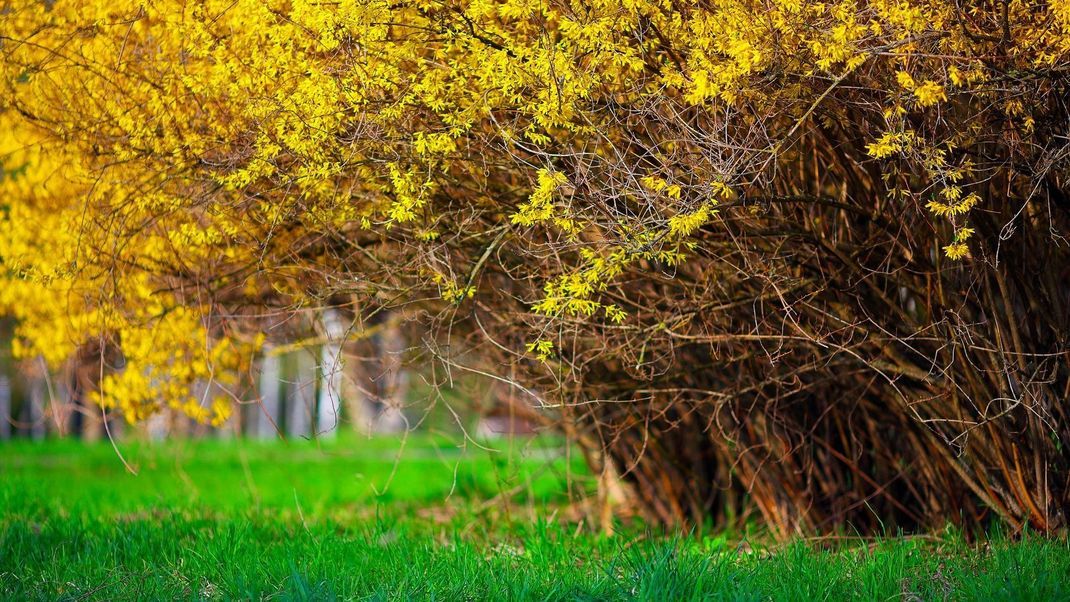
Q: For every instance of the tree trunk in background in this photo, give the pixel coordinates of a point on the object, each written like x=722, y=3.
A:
x=156, y=427
x=34, y=411
x=265, y=420
x=330, y=370
x=392, y=380
x=355, y=396
x=300, y=393
x=5, y=403
x=75, y=414
x=375, y=384
x=7, y=370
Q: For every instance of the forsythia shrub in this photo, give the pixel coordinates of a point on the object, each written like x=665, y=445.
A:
x=603, y=193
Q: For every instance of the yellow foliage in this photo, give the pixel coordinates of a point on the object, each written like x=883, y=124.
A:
x=161, y=160
x=540, y=206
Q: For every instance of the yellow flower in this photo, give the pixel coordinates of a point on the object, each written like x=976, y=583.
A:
x=930, y=93
x=956, y=250
x=542, y=349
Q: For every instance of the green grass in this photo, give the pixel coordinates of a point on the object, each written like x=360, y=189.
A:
x=313, y=476
x=359, y=519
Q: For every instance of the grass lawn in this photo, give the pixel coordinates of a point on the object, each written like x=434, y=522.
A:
x=375, y=519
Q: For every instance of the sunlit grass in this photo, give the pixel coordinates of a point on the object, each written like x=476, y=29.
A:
x=308, y=476
x=368, y=519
